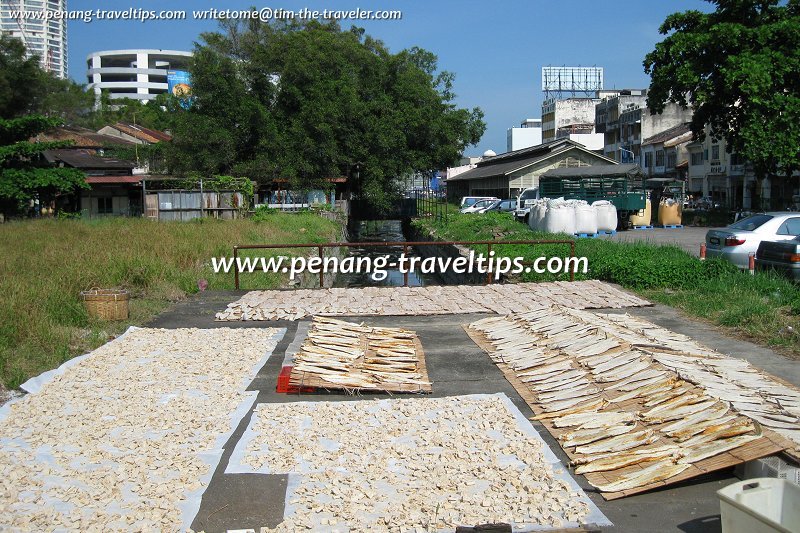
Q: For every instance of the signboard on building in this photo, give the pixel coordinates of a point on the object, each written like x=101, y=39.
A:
x=558, y=82
x=179, y=84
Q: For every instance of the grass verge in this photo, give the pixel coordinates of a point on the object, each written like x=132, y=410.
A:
x=764, y=308
x=46, y=263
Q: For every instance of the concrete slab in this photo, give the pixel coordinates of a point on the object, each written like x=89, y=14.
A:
x=457, y=366
x=688, y=238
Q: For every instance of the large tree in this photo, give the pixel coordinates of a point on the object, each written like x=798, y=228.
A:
x=738, y=68
x=24, y=174
x=305, y=102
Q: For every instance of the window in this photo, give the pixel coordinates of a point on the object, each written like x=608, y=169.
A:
x=105, y=206
x=705, y=155
x=751, y=223
x=659, y=158
x=715, y=152
x=790, y=227
x=697, y=158
x=648, y=160
x=672, y=159
x=736, y=159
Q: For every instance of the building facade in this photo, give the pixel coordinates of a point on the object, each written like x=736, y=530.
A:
x=137, y=74
x=725, y=178
x=528, y=134
x=43, y=34
x=508, y=174
x=626, y=122
x=666, y=154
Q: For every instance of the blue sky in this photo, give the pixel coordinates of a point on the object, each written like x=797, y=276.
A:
x=496, y=49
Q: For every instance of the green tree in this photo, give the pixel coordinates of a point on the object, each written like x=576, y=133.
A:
x=24, y=174
x=738, y=68
x=309, y=101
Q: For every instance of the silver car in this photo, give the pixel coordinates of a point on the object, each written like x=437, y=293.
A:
x=736, y=242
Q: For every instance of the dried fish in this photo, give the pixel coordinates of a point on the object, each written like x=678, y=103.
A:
x=660, y=471
x=622, y=442
x=630, y=458
x=587, y=436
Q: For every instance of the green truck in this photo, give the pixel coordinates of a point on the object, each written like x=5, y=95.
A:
x=622, y=185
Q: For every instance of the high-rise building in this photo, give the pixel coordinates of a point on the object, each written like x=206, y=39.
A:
x=138, y=74
x=42, y=34
x=528, y=134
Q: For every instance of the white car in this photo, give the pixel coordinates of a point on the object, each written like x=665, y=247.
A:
x=736, y=242
x=468, y=201
x=477, y=206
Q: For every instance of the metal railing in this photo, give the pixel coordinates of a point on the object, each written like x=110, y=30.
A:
x=404, y=244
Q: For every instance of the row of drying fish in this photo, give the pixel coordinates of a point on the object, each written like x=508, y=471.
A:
x=580, y=373
x=354, y=356
x=429, y=300
x=752, y=392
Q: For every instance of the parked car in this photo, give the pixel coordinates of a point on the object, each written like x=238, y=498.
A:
x=523, y=210
x=502, y=206
x=468, y=201
x=781, y=256
x=736, y=242
x=477, y=206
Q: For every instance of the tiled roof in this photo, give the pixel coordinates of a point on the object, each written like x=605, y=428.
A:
x=109, y=180
x=143, y=134
x=85, y=159
x=79, y=137
x=668, y=134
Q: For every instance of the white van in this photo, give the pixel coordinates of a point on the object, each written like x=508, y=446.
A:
x=524, y=201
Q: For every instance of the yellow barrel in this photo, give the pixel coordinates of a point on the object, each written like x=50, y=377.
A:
x=642, y=217
x=669, y=213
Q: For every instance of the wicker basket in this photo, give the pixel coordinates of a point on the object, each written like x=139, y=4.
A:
x=106, y=304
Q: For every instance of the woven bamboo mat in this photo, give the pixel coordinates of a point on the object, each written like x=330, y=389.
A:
x=316, y=381
x=769, y=444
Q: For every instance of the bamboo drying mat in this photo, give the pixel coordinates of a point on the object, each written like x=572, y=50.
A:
x=769, y=444
x=307, y=379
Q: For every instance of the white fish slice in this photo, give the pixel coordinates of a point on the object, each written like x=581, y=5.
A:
x=648, y=377
x=624, y=372
x=590, y=406
x=593, y=420
x=660, y=471
x=628, y=459
x=690, y=431
x=678, y=412
x=645, y=390
x=566, y=404
x=611, y=362
x=622, y=442
x=587, y=436
x=562, y=385
x=715, y=448
x=707, y=414
x=586, y=388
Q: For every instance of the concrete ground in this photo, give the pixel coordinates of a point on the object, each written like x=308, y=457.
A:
x=457, y=366
x=688, y=238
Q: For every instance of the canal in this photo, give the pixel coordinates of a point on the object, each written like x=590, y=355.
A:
x=381, y=231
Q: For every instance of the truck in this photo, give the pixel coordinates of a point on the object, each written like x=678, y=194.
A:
x=524, y=201
x=622, y=185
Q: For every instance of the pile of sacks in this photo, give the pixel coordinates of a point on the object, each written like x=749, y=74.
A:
x=572, y=216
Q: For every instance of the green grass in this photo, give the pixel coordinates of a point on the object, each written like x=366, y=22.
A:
x=44, y=264
x=764, y=308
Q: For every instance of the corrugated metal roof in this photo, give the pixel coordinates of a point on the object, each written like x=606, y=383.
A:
x=625, y=169
x=141, y=133
x=80, y=137
x=85, y=159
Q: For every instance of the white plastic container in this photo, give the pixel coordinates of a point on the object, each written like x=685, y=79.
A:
x=559, y=219
x=606, y=215
x=761, y=505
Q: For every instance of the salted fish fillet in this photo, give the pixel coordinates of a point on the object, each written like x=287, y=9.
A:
x=657, y=399
x=668, y=449
x=770, y=423
x=678, y=412
x=590, y=406
x=619, y=374
x=549, y=369
x=660, y=471
x=565, y=394
x=587, y=436
x=715, y=448
x=561, y=385
x=645, y=378
x=699, y=417
x=612, y=363
x=594, y=420
x=629, y=459
x=565, y=404
x=683, y=399
x=598, y=348
x=621, y=442
x=645, y=390
x=551, y=379
x=597, y=360
x=706, y=431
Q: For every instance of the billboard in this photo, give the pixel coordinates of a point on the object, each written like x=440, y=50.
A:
x=179, y=84
x=571, y=81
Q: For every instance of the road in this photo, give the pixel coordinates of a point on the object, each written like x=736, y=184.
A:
x=687, y=238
